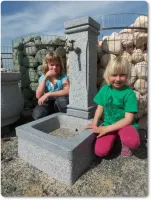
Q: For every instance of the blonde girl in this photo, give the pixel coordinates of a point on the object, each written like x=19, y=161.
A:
x=118, y=103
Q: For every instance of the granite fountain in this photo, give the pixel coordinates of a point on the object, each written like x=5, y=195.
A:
x=58, y=144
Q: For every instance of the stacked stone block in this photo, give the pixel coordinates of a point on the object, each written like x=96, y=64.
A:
x=132, y=45
x=28, y=55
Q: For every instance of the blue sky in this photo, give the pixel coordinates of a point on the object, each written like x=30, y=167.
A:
x=20, y=18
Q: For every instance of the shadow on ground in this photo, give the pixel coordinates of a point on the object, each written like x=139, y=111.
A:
x=25, y=117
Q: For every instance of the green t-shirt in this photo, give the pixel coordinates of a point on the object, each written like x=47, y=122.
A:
x=115, y=103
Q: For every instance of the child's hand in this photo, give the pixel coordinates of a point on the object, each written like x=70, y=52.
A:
x=42, y=99
x=102, y=130
x=50, y=74
x=90, y=126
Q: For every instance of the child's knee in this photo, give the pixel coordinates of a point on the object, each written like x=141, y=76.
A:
x=61, y=104
x=102, y=152
x=130, y=137
x=39, y=113
x=132, y=144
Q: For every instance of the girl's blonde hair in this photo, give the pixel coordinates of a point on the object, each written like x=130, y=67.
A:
x=117, y=65
x=51, y=56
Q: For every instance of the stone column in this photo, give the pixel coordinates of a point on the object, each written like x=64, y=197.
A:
x=83, y=66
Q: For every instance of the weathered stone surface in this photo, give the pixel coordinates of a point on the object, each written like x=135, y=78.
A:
x=142, y=21
x=106, y=58
x=140, y=39
x=142, y=70
x=142, y=104
x=29, y=61
x=126, y=39
x=39, y=70
x=30, y=49
x=137, y=56
x=145, y=54
x=18, y=57
x=40, y=55
x=33, y=76
x=33, y=86
x=133, y=75
x=29, y=38
x=18, y=43
x=127, y=56
x=109, y=46
x=141, y=86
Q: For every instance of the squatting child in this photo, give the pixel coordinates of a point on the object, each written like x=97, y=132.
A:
x=53, y=89
x=118, y=104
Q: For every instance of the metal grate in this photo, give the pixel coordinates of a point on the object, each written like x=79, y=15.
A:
x=116, y=22
x=7, y=51
x=6, y=57
x=132, y=34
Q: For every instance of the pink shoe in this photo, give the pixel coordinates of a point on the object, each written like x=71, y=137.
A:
x=126, y=152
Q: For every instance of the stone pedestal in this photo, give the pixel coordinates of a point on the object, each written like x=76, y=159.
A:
x=83, y=66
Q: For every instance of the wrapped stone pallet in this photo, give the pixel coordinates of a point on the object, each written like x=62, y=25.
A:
x=28, y=55
x=132, y=45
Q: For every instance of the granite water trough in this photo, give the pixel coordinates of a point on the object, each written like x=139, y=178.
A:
x=58, y=145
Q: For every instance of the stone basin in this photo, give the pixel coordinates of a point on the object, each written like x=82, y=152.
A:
x=58, y=145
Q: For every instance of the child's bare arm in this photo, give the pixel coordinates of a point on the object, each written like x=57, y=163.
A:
x=63, y=92
x=97, y=116
x=129, y=117
x=127, y=120
x=41, y=89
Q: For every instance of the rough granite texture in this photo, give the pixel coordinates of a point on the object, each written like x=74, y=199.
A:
x=80, y=22
x=84, y=31
x=63, y=158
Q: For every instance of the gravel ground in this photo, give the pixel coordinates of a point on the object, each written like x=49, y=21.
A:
x=114, y=176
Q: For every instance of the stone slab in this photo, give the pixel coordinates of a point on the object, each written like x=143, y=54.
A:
x=81, y=22
x=81, y=113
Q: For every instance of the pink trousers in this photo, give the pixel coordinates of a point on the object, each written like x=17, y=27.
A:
x=128, y=136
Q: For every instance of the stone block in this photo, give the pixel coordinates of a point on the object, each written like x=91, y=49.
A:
x=81, y=113
x=58, y=145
